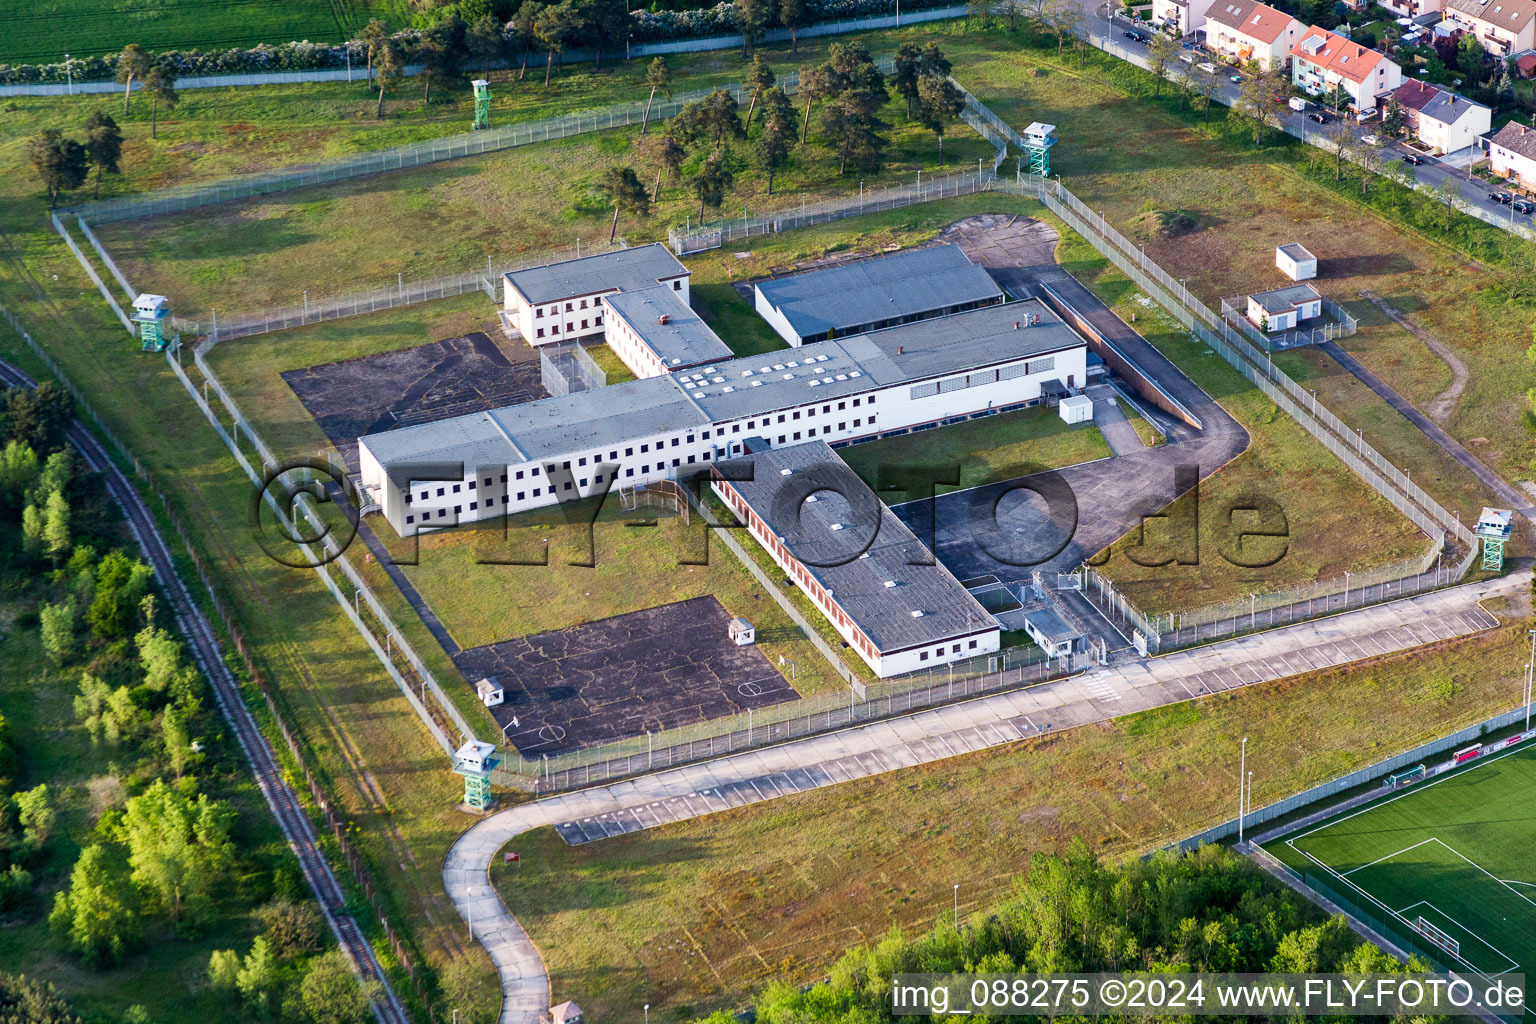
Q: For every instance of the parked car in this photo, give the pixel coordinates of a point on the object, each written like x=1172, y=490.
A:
x=1297, y=104
x=1207, y=67
x=1319, y=117
x=1413, y=158
x=1370, y=140
x=1187, y=58
x=1135, y=36
x=1500, y=197
x=1522, y=206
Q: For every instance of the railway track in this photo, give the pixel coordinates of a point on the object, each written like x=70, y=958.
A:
x=284, y=803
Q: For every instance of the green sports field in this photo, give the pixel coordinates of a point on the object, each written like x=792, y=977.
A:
x=1455, y=853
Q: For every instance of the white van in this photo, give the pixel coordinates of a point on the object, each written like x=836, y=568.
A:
x=1298, y=104
x=1187, y=58
x=1207, y=67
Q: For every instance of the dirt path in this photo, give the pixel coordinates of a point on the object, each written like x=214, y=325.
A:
x=1443, y=404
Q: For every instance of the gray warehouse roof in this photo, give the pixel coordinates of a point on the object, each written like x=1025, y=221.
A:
x=684, y=339
x=640, y=267
x=1281, y=300
x=902, y=284
x=726, y=391
x=867, y=563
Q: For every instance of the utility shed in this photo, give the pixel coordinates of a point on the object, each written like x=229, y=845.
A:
x=1076, y=409
x=1295, y=262
x=873, y=294
x=490, y=693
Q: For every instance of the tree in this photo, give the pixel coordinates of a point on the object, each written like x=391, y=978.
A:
x=39, y=416
x=19, y=472
x=224, y=970
x=658, y=76
x=390, y=69
x=1254, y=105
x=938, y=103
x=1342, y=139
x=1370, y=159
x=374, y=37
x=778, y=135
x=981, y=10
x=96, y=918
x=29, y=1001
x=258, y=979
x=794, y=15
x=331, y=993
x=442, y=52
x=35, y=814
x=60, y=163
x=57, y=623
x=161, y=86
x=33, y=524
x=816, y=84
x=1395, y=119
x=908, y=69
x=132, y=63
x=712, y=183
x=292, y=926
x=1066, y=18
x=759, y=78
x=121, y=583
x=605, y=23
x=56, y=526
x=1469, y=58
x=669, y=153
x=179, y=849
x=555, y=26
x=179, y=752
x=752, y=19
x=485, y=41
x=624, y=187
x=103, y=145
x=716, y=117
x=1162, y=52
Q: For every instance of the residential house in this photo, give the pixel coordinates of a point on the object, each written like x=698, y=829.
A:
x=1184, y=15
x=1412, y=8
x=1244, y=30
x=1282, y=308
x=1442, y=120
x=1322, y=61
x=1504, y=27
x=1512, y=153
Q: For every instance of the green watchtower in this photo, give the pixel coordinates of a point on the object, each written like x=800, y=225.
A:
x=474, y=761
x=1494, y=526
x=482, y=104
x=150, y=312
x=1038, y=140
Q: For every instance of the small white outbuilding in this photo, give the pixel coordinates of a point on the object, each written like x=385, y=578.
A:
x=1076, y=409
x=1295, y=262
x=741, y=632
x=490, y=692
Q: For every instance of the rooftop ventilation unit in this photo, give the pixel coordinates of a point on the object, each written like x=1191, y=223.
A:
x=917, y=613
x=889, y=584
x=835, y=527
x=785, y=472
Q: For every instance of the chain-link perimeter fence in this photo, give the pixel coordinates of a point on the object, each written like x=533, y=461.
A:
x=1342, y=325
x=567, y=368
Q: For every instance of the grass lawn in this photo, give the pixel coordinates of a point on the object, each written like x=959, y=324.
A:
x=694, y=916
x=986, y=450
x=1149, y=434
x=1451, y=850
x=41, y=31
x=448, y=217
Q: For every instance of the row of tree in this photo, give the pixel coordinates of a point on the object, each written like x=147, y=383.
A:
x=1208, y=911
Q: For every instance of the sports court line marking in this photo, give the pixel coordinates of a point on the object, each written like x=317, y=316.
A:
x=1514, y=965
x=1362, y=867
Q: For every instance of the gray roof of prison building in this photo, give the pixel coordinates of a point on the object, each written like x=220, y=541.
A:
x=613, y=415
x=1280, y=300
x=684, y=340
x=902, y=284
x=858, y=582
x=640, y=267
x=1297, y=251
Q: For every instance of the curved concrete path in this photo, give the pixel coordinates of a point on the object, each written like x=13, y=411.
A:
x=816, y=761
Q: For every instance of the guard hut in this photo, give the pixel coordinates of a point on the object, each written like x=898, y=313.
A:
x=1494, y=527
x=1038, y=140
x=150, y=312
x=741, y=632
x=490, y=693
x=475, y=760
x=482, y=104
x=1076, y=409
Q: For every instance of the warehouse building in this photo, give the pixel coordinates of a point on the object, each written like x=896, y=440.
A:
x=877, y=584
x=875, y=294
x=522, y=457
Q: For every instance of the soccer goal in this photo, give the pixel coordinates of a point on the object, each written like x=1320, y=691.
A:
x=1405, y=778
x=1425, y=928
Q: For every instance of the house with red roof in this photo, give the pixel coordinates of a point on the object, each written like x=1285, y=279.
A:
x=1439, y=118
x=1322, y=61
x=1246, y=30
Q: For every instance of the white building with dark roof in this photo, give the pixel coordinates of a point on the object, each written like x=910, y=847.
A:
x=1281, y=309
x=1512, y=153
x=562, y=302
x=874, y=294
x=876, y=583
x=655, y=331
x=521, y=457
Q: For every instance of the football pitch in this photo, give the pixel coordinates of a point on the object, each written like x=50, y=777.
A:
x=1451, y=861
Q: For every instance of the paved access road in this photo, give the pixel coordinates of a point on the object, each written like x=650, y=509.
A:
x=816, y=761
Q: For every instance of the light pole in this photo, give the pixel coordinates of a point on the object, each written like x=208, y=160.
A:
x=1241, y=788
x=957, y=906
x=69, y=74
x=647, y=1013
x=1347, y=575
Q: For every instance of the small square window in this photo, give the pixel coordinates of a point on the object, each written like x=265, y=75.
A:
x=567, y=485
x=536, y=492
x=675, y=442
x=923, y=656
x=580, y=483
x=409, y=520
x=441, y=513
x=488, y=481
x=457, y=488
x=628, y=452
x=677, y=286
x=581, y=461
x=458, y=509
x=440, y=492
x=973, y=645
x=521, y=495
x=690, y=439
x=472, y=484
x=629, y=472
x=541, y=332
x=519, y=474
x=474, y=505
x=644, y=448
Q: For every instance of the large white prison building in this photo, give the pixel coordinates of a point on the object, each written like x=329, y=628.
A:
x=877, y=584
x=522, y=457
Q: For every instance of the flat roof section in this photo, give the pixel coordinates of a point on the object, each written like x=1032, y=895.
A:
x=1280, y=300
x=640, y=267
x=679, y=336
x=1296, y=251
x=888, y=287
x=881, y=591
